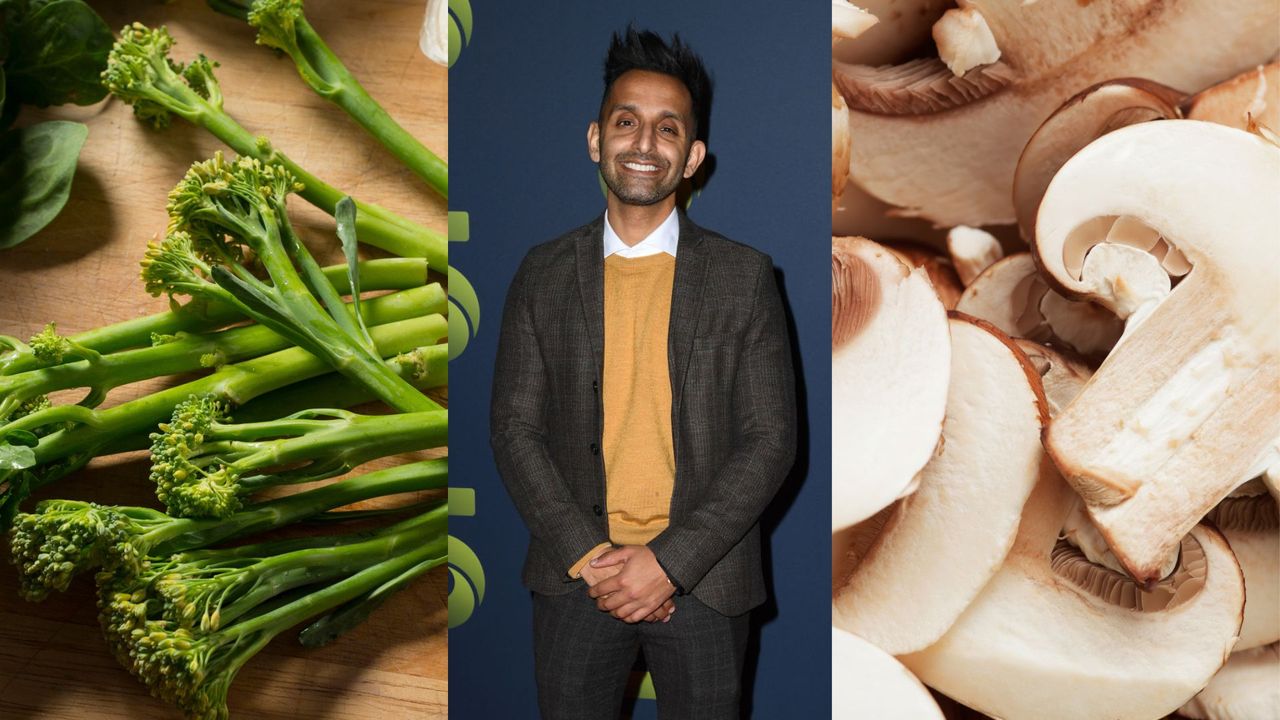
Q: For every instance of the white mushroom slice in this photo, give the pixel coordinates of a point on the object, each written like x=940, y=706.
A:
x=1127, y=281
x=961, y=138
x=1254, y=94
x=840, y=142
x=1085, y=327
x=890, y=366
x=1271, y=478
x=868, y=683
x=1082, y=119
x=1252, y=526
x=1011, y=295
x=1061, y=376
x=964, y=40
x=850, y=545
x=1180, y=410
x=1246, y=688
x=972, y=251
x=848, y=21
x=1008, y=295
x=1054, y=637
x=990, y=460
x=942, y=274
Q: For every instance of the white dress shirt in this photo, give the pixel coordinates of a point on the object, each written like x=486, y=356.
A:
x=663, y=239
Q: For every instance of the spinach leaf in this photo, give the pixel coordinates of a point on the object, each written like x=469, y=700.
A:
x=36, y=167
x=57, y=53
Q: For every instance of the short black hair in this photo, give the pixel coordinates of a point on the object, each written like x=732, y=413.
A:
x=635, y=49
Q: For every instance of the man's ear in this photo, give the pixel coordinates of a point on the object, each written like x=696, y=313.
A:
x=697, y=152
x=593, y=141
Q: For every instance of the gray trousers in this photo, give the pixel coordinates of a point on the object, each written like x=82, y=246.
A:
x=582, y=658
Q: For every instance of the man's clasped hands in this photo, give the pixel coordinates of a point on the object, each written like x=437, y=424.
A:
x=628, y=583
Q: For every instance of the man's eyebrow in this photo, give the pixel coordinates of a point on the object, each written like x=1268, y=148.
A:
x=633, y=109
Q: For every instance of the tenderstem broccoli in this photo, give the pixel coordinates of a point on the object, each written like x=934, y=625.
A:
x=64, y=538
x=95, y=431
x=140, y=72
x=181, y=353
x=201, y=316
x=203, y=466
x=222, y=214
x=283, y=25
x=187, y=626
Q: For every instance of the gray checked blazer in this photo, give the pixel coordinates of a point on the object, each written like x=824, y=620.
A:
x=733, y=411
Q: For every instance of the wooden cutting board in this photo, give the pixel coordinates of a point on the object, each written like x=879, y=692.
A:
x=82, y=272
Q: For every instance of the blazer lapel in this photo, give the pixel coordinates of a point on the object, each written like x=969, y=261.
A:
x=589, y=251
x=686, y=300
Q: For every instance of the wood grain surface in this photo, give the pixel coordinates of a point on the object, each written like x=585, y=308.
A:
x=82, y=272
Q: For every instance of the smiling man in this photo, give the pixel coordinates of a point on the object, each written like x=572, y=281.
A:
x=643, y=415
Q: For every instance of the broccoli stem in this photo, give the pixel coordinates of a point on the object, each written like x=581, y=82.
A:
x=237, y=384
x=185, y=534
x=199, y=316
x=270, y=576
x=375, y=225
x=337, y=449
x=325, y=73
x=191, y=352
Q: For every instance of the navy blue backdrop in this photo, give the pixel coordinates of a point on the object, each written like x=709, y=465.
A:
x=523, y=88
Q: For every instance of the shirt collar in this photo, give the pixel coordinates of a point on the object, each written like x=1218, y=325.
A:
x=663, y=239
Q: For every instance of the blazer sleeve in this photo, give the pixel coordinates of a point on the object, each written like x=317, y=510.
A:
x=518, y=435
x=762, y=455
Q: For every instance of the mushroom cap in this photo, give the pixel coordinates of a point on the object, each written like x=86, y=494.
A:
x=1082, y=119
x=890, y=367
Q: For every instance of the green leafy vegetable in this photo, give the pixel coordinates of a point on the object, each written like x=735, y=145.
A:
x=56, y=53
x=37, y=164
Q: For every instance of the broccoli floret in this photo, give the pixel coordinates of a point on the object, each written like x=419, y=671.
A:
x=140, y=72
x=202, y=467
x=64, y=538
x=223, y=214
x=187, y=626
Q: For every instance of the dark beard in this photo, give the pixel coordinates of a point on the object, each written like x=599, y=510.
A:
x=642, y=195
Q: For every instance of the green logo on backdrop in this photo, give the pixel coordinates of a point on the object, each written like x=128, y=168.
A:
x=459, y=28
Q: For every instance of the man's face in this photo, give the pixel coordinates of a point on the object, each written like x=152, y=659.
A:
x=644, y=140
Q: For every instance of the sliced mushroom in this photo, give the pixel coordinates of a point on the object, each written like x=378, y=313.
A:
x=868, y=683
x=990, y=460
x=840, y=142
x=1252, y=526
x=1082, y=119
x=1012, y=296
x=961, y=137
x=964, y=40
x=1180, y=410
x=1055, y=637
x=1062, y=376
x=972, y=251
x=848, y=21
x=1246, y=688
x=1253, y=94
x=890, y=366
x=850, y=545
x=942, y=274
